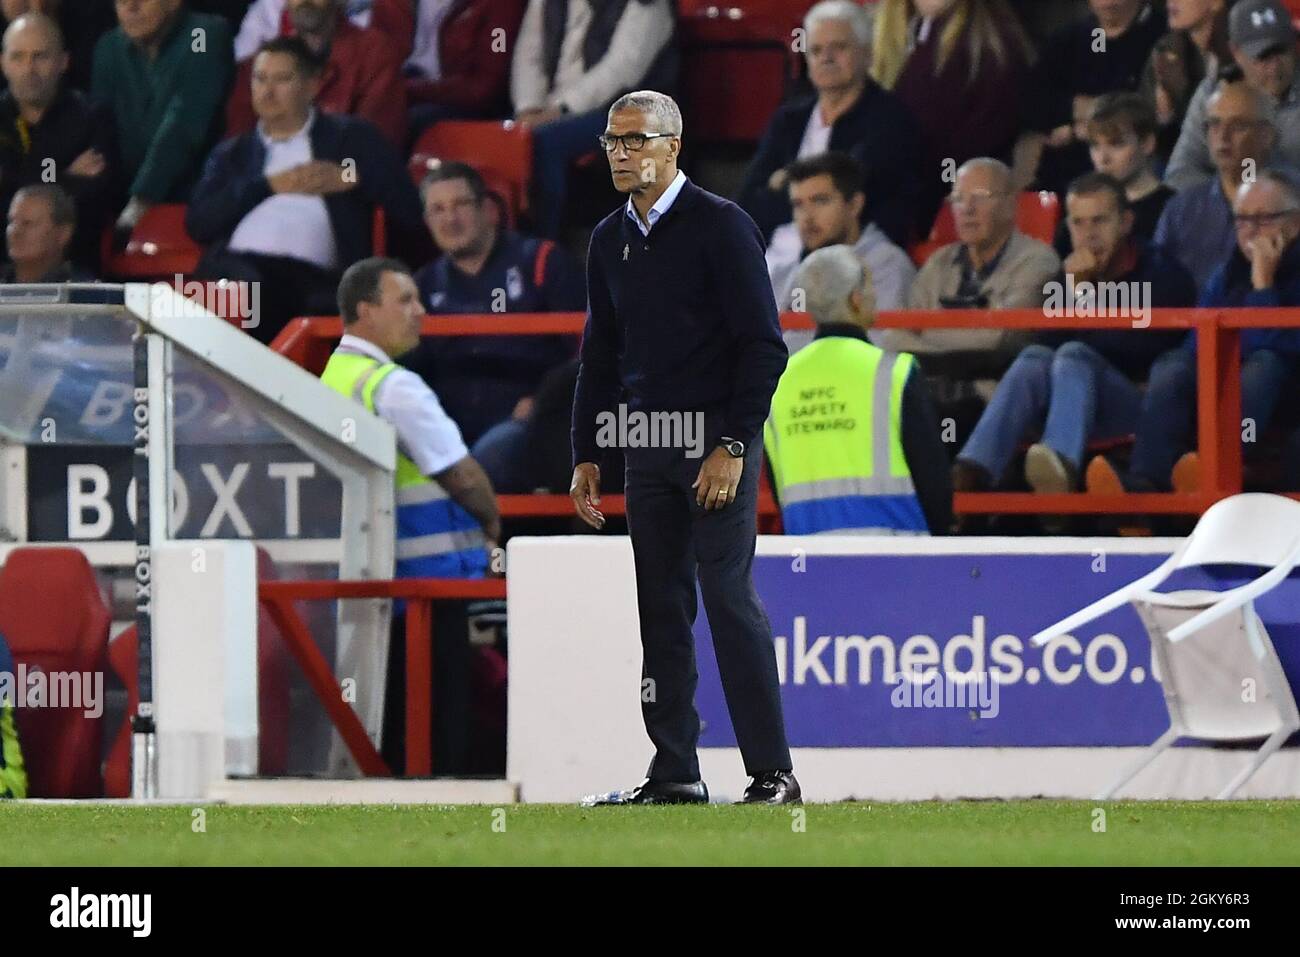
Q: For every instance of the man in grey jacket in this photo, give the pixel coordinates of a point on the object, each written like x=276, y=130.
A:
x=991, y=266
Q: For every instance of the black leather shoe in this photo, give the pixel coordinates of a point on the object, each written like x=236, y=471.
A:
x=773, y=787
x=653, y=792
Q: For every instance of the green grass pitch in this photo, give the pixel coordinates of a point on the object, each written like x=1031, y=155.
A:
x=1037, y=832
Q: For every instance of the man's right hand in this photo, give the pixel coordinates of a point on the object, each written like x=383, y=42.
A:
x=585, y=492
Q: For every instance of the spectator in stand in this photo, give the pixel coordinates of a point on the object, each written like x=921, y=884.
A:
x=42, y=219
x=82, y=24
x=49, y=132
x=1122, y=143
x=573, y=58
x=484, y=269
x=1194, y=47
x=1262, y=270
x=991, y=266
x=971, y=56
x=267, y=19
x=849, y=113
x=1197, y=225
x=1070, y=387
x=459, y=67
x=1105, y=52
x=362, y=74
x=164, y=72
x=826, y=196
x=1263, y=45
x=291, y=205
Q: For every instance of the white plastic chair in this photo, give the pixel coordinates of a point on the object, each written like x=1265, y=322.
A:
x=1205, y=645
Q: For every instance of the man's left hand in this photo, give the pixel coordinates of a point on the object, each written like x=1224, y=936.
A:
x=715, y=486
x=1265, y=255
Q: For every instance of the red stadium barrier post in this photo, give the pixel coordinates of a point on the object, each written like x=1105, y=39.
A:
x=419, y=594
x=306, y=340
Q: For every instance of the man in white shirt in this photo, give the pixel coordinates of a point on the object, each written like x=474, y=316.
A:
x=291, y=204
x=447, y=518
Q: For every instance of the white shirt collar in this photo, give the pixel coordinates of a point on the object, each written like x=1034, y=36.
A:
x=351, y=343
x=304, y=130
x=661, y=206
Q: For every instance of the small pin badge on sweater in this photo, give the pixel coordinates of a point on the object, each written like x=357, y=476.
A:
x=626, y=250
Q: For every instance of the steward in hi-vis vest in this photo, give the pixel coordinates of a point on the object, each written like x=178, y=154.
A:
x=851, y=435
x=446, y=508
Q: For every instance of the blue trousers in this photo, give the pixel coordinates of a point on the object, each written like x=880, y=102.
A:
x=1071, y=394
x=555, y=147
x=1167, y=427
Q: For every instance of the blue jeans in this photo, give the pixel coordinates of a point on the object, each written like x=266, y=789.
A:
x=1167, y=427
x=555, y=147
x=500, y=450
x=1072, y=394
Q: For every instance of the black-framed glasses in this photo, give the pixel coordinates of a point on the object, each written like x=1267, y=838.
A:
x=1241, y=220
x=632, y=142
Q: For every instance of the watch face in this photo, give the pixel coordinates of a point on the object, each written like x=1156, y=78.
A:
x=737, y=448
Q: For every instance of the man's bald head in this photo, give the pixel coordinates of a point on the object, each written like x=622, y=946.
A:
x=39, y=25
x=33, y=60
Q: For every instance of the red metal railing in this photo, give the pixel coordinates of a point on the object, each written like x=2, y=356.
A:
x=278, y=598
x=309, y=341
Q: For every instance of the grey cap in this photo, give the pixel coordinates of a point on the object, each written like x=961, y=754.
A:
x=1258, y=26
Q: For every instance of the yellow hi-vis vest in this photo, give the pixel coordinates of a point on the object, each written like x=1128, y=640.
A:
x=834, y=438
x=436, y=538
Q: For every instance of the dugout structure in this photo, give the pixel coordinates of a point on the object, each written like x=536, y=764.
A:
x=115, y=399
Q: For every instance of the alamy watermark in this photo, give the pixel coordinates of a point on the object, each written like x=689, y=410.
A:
x=651, y=430
x=230, y=299
x=1094, y=300
x=33, y=687
x=931, y=688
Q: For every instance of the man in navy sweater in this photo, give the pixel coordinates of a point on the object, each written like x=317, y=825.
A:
x=682, y=338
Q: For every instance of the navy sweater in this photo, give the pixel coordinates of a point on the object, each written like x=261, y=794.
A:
x=681, y=320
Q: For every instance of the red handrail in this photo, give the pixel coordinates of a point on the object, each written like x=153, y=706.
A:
x=308, y=341
x=278, y=598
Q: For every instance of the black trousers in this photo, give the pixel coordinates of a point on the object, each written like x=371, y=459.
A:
x=673, y=540
x=451, y=692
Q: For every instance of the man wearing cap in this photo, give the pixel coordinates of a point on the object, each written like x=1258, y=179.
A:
x=1263, y=43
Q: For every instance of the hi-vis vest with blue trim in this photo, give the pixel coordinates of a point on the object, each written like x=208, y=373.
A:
x=834, y=438
x=436, y=538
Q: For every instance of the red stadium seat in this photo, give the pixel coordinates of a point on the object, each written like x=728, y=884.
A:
x=736, y=59
x=272, y=696
x=1037, y=214
x=504, y=149
x=54, y=618
x=159, y=247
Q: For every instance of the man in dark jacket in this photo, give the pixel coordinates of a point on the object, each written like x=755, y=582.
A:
x=1263, y=271
x=485, y=381
x=291, y=205
x=49, y=132
x=1077, y=386
x=849, y=113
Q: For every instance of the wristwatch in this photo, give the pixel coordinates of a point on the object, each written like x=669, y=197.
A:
x=735, y=448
